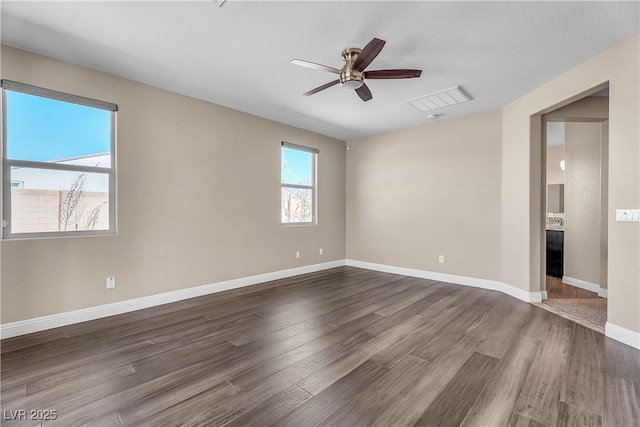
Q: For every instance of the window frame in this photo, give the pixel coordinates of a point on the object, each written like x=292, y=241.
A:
x=7, y=164
x=313, y=187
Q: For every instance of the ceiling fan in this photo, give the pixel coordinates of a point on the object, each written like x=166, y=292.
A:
x=352, y=74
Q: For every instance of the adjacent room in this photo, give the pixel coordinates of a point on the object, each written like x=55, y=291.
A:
x=306, y=213
x=577, y=137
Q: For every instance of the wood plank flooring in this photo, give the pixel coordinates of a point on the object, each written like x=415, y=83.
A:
x=556, y=288
x=341, y=347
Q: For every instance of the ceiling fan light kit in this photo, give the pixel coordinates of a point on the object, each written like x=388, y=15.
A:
x=352, y=83
x=352, y=74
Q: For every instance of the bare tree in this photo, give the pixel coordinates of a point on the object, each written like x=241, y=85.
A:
x=303, y=208
x=93, y=217
x=71, y=206
x=296, y=206
x=287, y=206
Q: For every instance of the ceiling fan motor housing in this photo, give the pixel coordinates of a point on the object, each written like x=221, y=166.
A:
x=350, y=78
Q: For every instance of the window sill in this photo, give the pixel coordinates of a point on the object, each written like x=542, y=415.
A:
x=58, y=236
x=298, y=224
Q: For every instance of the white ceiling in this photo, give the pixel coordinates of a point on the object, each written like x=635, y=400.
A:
x=238, y=55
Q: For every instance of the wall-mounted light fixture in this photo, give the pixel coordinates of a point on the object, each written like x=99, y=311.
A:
x=562, y=165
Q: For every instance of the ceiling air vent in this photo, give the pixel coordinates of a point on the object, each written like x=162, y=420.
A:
x=441, y=99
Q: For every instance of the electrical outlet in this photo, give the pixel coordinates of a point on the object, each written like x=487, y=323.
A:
x=297, y=254
x=111, y=282
x=441, y=259
x=320, y=251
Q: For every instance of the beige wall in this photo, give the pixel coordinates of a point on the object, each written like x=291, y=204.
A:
x=521, y=208
x=197, y=200
x=582, y=202
x=555, y=198
x=604, y=204
x=1, y=201
x=430, y=190
x=555, y=175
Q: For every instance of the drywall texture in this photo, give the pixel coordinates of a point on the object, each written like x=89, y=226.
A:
x=619, y=67
x=431, y=190
x=582, y=202
x=198, y=200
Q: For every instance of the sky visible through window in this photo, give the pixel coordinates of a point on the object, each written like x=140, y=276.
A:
x=46, y=130
x=296, y=166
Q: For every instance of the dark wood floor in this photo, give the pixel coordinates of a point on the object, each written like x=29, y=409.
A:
x=558, y=289
x=342, y=347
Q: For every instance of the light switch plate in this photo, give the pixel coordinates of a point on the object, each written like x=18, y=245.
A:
x=628, y=215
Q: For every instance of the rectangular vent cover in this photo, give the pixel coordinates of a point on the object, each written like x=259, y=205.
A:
x=441, y=99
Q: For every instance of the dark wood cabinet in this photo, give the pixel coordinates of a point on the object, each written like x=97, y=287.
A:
x=555, y=253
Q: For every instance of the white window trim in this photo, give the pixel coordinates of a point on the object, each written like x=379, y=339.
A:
x=8, y=163
x=313, y=187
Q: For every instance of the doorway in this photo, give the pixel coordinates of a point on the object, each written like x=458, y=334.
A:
x=575, y=214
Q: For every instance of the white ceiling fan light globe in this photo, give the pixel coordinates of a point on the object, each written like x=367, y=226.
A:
x=352, y=84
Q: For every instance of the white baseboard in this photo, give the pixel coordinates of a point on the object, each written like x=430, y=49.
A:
x=583, y=284
x=623, y=335
x=28, y=326
x=37, y=324
x=545, y=296
x=451, y=278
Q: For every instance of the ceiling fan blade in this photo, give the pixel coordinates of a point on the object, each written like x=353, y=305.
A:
x=392, y=74
x=323, y=87
x=315, y=66
x=364, y=93
x=368, y=54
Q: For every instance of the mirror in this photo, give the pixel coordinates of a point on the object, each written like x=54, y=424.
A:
x=555, y=198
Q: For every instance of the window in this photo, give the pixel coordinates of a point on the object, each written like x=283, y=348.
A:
x=58, y=163
x=298, y=184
